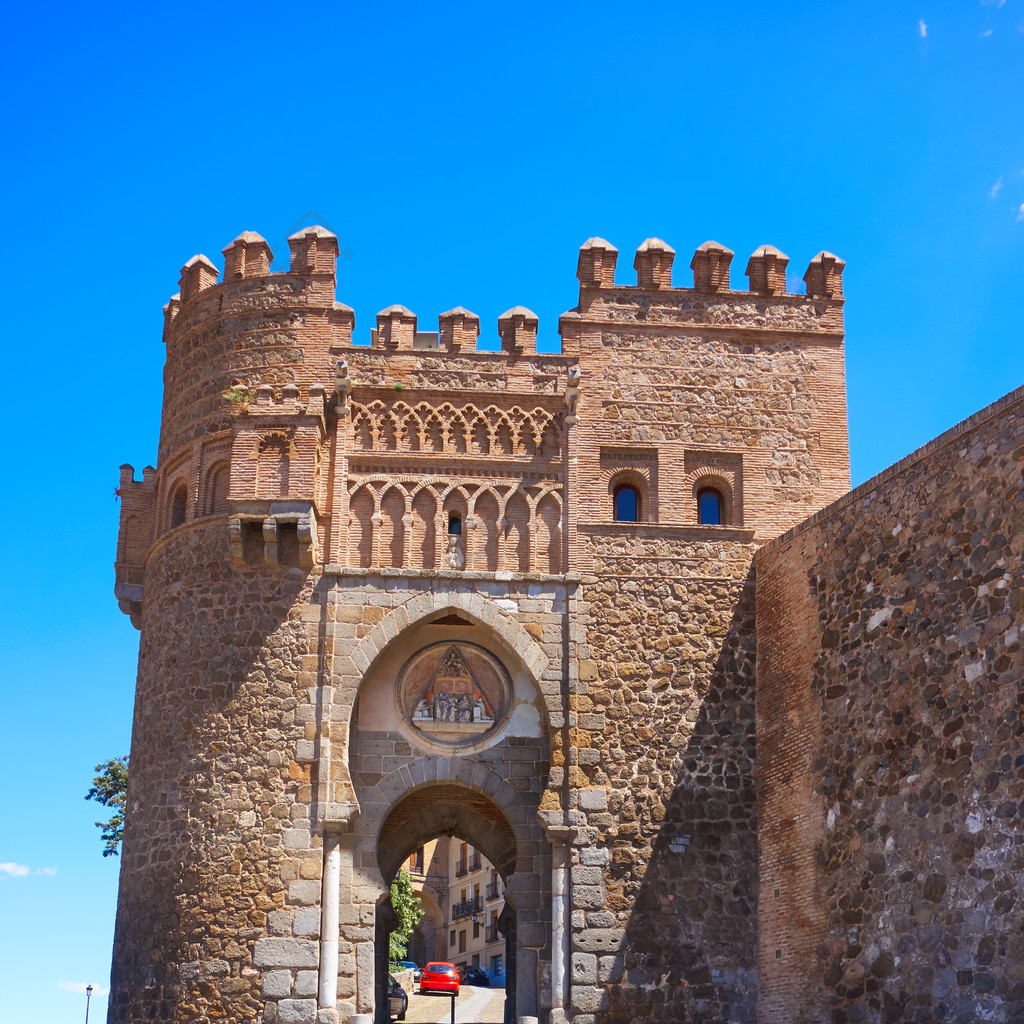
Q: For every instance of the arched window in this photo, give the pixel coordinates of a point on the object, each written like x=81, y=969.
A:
x=179, y=499
x=709, y=507
x=627, y=504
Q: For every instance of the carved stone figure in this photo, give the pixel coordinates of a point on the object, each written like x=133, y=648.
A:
x=453, y=556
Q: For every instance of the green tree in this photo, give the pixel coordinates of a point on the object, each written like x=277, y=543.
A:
x=109, y=788
x=407, y=907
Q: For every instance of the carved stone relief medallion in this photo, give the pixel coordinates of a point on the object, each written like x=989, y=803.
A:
x=454, y=693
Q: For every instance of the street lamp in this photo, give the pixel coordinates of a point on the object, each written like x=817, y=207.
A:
x=88, y=996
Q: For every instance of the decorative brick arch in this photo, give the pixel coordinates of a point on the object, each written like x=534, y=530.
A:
x=717, y=480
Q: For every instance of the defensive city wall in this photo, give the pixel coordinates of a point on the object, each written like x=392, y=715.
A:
x=890, y=768
x=411, y=587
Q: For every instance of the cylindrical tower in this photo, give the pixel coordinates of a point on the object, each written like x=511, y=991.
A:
x=313, y=539
x=215, y=779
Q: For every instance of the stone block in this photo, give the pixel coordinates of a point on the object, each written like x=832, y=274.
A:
x=295, y=839
x=582, y=875
x=285, y=953
x=599, y=940
x=609, y=969
x=533, y=934
x=296, y=1011
x=586, y=897
x=593, y=799
x=588, y=999
x=306, y=983
x=279, y=922
x=583, y=969
x=277, y=984
x=594, y=855
x=307, y=922
x=304, y=893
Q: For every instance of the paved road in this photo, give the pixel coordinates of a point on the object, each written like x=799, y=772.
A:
x=473, y=1006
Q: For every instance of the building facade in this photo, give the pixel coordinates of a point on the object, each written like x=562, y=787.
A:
x=475, y=904
x=738, y=743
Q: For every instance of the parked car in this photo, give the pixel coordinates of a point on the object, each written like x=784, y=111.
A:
x=474, y=976
x=440, y=977
x=407, y=965
x=397, y=999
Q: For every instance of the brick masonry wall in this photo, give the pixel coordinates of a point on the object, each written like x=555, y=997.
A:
x=743, y=393
x=889, y=734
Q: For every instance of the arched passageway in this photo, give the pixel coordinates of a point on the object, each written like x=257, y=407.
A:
x=455, y=810
x=448, y=735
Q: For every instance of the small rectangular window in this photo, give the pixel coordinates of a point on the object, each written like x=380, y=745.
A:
x=252, y=542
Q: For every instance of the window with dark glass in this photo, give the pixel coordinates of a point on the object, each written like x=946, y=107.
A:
x=454, y=525
x=627, y=504
x=709, y=507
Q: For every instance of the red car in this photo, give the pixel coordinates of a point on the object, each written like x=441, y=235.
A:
x=438, y=977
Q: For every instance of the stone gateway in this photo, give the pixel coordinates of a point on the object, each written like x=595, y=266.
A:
x=743, y=745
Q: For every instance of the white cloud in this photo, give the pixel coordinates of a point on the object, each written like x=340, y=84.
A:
x=996, y=188
x=1020, y=212
x=922, y=29
x=985, y=34
x=993, y=3
x=12, y=870
x=79, y=987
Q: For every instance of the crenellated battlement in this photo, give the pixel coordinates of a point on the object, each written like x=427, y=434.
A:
x=267, y=394
x=710, y=302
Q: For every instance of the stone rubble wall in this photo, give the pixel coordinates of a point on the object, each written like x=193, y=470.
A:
x=890, y=774
x=216, y=796
x=665, y=877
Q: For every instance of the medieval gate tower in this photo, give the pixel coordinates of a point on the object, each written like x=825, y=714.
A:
x=407, y=587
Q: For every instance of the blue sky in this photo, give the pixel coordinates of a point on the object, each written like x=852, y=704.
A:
x=462, y=152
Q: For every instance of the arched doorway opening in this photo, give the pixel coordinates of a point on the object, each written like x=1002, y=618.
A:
x=447, y=733
x=462, y=815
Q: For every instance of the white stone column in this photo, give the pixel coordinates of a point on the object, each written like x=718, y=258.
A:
x=329, y=920
x=559, y=926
